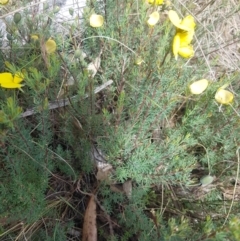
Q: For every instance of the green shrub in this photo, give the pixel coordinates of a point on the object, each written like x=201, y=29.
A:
x=150, y=127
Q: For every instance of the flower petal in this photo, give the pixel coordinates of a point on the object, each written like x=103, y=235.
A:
x=50, y=46
x=6, y=78
x=96, y=20
x=224, y=96
x=174, y=18
x=176, y=45
x=10, y=85
x=188, y=22
x=153, y=18
x=199, y=86
x=186, y=52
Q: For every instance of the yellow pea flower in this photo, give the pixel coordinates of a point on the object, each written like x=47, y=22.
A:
x=184, y=35
x=96, y=20
x=4, y=2
x=223, y=96
x=7, y=80
x=153, y=18
x=139, y=61
x=34, y=37
x=187, y=24
x=155, y=2
x=198, y=87
x=182, y=47
x=50, y=46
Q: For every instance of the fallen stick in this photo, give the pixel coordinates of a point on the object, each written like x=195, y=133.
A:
x=64, y=102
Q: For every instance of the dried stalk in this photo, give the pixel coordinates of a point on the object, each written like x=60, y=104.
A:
x=64, y=102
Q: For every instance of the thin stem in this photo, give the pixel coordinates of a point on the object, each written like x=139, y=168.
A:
x=209, y=169
x=235, y=110
x=235, y=187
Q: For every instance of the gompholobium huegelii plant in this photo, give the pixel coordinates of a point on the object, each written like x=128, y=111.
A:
x=162, y=119
x=167, y=115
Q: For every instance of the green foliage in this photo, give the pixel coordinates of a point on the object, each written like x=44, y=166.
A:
x=149, y=127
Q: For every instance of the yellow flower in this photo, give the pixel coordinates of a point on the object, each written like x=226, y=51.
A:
x=223, y=96
x=34, y=37
x=181, y=46
x=96, y=20
x=50, y=46
x=155, y=2
x=187, y=24
x=153, y=18
x=7, y=80
x=184, y=35
x=3, y=2
x=138, y=61
x=198, y=87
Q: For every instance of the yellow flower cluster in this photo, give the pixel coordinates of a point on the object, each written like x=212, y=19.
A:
x=222, y=96
x=7, y=80
x=184, y=35
x=97, y=20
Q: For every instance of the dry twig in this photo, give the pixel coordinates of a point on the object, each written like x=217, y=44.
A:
x=64, y=102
